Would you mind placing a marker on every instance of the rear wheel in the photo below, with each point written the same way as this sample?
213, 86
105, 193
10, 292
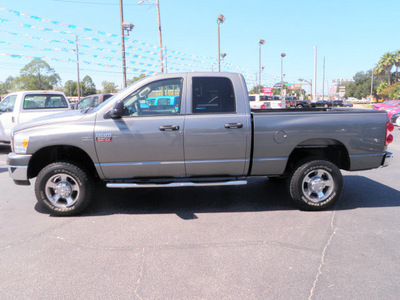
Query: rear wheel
315, 184
64, 188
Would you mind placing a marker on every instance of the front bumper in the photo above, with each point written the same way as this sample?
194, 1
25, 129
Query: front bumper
18, 167
387, 159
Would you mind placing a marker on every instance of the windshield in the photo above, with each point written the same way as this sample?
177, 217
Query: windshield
8, 103
110, 99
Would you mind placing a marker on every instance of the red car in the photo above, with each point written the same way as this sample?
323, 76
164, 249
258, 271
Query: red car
386, 104
393, 110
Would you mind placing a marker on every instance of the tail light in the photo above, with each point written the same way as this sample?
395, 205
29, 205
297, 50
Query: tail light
389, 137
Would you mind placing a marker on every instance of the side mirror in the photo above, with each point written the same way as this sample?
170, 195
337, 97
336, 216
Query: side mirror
118, 110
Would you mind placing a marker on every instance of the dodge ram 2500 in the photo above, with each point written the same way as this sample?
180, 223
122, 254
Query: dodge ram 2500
209, 136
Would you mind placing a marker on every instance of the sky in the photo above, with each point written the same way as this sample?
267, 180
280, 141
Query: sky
351, 35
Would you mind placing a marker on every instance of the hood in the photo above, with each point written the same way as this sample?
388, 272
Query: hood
64, 117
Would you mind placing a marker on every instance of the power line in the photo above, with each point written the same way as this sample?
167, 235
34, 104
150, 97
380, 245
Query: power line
97, 3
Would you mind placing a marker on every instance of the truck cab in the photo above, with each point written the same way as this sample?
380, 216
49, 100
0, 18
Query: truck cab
20, 107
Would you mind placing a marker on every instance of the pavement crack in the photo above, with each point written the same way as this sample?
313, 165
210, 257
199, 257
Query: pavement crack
140, 276
322, 262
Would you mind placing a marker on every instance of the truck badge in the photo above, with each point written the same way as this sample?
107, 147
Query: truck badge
103, 137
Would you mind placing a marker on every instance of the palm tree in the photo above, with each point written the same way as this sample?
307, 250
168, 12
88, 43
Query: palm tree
397, 63
387, 62
379, 71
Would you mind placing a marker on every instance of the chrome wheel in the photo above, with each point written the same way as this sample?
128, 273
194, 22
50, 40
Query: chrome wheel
318, 185
62, 190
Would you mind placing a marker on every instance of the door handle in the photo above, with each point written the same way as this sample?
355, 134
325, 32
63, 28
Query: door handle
169, 127
233, 125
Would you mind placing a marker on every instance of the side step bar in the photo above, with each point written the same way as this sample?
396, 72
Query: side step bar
174, 184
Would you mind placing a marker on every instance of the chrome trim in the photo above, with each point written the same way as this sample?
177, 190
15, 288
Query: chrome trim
387, 159
175, 184
18, 172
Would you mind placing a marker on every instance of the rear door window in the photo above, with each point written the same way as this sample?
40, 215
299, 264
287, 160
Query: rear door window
213, 95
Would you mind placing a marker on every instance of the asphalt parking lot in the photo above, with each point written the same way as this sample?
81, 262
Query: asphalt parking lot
245, 242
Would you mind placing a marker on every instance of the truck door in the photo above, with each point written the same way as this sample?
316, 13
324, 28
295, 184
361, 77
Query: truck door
217, 128
7, 117
147, 142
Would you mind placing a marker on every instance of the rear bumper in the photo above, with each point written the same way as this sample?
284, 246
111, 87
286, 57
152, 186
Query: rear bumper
18, 167
387, 159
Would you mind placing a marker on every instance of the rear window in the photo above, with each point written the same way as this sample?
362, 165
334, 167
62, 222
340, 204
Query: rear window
45, 101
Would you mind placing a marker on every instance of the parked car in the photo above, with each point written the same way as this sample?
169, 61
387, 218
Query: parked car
347, 104
322, 103
213, 138
261, 101
392, 110
92, 101
394, 118
20, 107
386, 104
292, 101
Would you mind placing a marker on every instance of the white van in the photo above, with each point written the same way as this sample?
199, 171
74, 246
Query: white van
261, 101
20, 107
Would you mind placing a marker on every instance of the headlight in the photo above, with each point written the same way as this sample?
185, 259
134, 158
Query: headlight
20, 143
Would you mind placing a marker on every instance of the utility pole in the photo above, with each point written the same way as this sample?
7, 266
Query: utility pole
315, 75
323, 80
123, 42
372, 86
260, 43
160, 36
166, 61
77, 67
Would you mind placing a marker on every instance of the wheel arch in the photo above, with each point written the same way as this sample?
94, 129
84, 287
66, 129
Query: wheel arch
51, 154
329, 149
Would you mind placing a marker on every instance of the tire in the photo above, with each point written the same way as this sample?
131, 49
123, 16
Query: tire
299, 106
315, 184
64, 188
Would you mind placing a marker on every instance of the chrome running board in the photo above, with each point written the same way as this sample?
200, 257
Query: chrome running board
174, 184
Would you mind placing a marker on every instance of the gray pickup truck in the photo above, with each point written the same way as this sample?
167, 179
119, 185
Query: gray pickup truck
197, 130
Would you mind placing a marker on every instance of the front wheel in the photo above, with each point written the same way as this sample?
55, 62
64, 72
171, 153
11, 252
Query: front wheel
63, 188
315, 184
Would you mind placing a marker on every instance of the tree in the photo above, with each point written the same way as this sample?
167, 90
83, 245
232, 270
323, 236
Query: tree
397, 63
88, 87
71, 88
386, 62
134, 79
7, 85
37, 75
361, 87
109, 87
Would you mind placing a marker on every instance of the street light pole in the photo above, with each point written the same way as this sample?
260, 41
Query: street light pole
123, 43
308, 82
315, 74
283, 102
220, 20
77, 67
260, 43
